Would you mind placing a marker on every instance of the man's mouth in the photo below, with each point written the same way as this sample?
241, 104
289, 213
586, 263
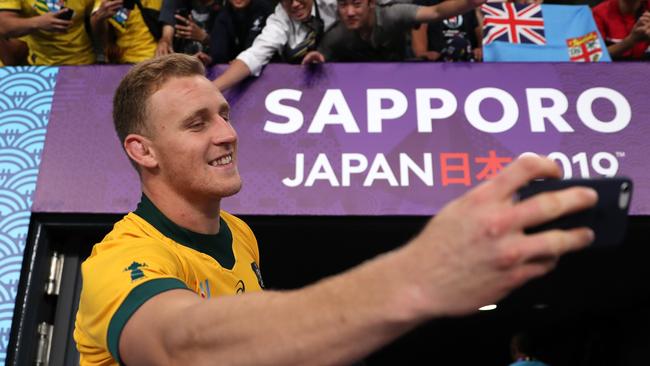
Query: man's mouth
224, 160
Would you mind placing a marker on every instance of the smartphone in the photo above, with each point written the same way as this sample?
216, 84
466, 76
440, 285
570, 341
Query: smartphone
66, 15
184, 12
608, 219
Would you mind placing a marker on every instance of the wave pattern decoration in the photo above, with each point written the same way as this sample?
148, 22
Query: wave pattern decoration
26, 95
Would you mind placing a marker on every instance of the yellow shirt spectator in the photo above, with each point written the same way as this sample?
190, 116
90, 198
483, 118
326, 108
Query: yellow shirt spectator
69, 47
132, 36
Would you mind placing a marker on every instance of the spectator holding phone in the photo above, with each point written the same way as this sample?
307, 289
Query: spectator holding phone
236, 27
625, 26
186, 27
53, 30
121, 29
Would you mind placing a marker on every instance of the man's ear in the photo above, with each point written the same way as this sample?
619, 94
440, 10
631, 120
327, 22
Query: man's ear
139, 150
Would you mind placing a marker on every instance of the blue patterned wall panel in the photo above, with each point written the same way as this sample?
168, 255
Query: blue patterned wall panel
25, 102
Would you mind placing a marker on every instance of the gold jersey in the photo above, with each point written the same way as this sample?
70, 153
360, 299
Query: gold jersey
146, 254
72, 47
132, 36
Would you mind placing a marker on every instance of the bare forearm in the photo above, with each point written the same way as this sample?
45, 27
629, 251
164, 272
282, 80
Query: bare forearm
236, 72
13, 26
442, 11
618, 49
333, 322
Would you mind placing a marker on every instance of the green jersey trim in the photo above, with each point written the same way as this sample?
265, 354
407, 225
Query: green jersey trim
217, 246
138, 296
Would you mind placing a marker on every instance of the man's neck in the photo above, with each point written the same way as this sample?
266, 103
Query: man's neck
629, 6
200, 216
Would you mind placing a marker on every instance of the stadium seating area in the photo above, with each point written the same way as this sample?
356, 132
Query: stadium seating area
47, 32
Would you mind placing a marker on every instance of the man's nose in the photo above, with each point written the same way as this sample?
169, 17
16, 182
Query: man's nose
223, 132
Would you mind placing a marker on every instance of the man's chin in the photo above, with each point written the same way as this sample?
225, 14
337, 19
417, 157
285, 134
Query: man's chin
232, 190
352, 26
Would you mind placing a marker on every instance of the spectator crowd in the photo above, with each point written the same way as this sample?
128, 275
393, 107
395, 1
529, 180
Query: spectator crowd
248, 34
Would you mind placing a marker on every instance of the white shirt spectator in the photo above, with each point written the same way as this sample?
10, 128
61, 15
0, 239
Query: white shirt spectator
281, 30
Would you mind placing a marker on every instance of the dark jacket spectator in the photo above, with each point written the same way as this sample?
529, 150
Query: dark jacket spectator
236, 27
187, 26
430, 41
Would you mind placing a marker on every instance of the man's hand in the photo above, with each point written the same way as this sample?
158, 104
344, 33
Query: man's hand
204, 58
164, 47
313, 57
641, 30
187, 28
51, 23
107, 9
478, 54
475, 251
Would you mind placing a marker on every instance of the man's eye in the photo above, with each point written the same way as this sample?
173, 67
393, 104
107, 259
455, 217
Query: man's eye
226, 117
195, 125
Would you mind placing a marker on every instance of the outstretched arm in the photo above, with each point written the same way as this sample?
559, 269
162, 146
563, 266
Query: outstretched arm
12, 25
472, 253
446, 9
236, 72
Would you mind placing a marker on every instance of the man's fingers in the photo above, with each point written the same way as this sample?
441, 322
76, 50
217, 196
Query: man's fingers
547, 206
551, 244
519, 173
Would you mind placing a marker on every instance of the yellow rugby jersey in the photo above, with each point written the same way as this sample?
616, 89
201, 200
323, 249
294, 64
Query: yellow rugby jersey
146, 254
132, 34
53, 48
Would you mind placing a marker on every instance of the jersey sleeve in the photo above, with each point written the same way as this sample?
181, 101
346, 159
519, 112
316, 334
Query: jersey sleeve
117, 280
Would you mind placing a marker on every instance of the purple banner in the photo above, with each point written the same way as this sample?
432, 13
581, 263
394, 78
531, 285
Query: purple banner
370, 139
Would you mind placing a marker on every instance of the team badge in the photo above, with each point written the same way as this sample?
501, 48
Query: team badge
585, 49
136, 272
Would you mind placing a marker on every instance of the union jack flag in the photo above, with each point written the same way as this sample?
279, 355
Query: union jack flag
513, 23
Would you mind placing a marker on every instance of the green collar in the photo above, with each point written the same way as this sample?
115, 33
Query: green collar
217, 246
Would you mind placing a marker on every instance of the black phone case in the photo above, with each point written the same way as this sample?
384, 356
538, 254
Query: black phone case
608, 219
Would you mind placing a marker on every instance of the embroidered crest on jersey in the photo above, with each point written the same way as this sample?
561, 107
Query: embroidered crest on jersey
136, 272
258, 274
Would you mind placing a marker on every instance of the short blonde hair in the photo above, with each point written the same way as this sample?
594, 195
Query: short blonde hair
132, 95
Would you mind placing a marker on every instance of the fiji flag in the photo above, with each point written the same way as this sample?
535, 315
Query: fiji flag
514, 32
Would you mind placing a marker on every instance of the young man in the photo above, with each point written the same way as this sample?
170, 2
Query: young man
373, 32
625, 26
154, 289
